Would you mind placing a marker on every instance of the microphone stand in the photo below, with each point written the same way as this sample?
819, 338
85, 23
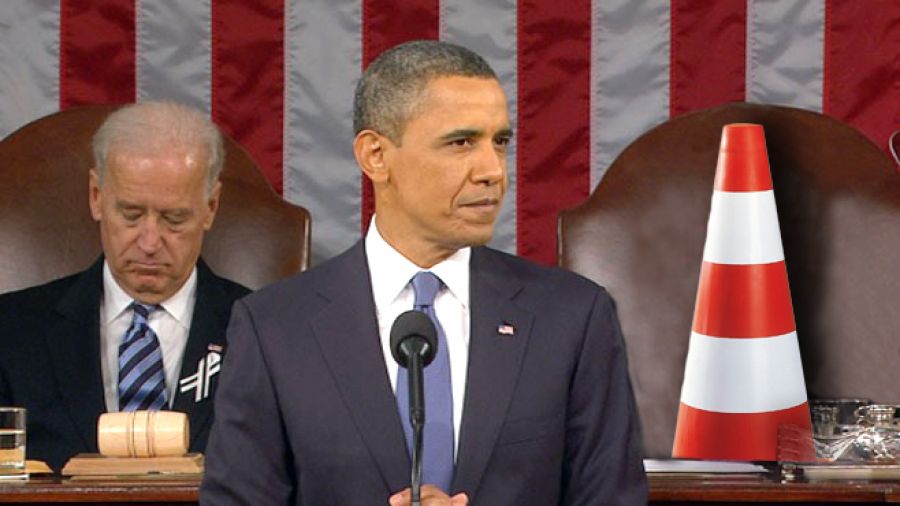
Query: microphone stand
417, 421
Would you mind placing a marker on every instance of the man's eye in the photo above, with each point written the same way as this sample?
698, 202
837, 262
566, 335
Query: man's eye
461, 142
501, 144
131, 216
175, 220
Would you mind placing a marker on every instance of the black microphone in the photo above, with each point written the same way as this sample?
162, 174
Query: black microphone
413, 346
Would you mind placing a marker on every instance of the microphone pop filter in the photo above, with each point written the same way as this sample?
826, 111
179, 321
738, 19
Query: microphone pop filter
411, 325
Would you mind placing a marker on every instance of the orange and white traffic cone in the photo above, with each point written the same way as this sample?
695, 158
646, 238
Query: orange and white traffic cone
743, 377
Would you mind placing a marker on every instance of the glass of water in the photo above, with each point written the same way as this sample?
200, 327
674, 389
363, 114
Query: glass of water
12, 443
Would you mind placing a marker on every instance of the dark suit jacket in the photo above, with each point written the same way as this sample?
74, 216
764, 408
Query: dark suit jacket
306, 413
50, 360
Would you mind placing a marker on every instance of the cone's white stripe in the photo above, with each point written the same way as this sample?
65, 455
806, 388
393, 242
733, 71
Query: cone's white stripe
320, 171
29, 61
747, 375
629, 75
743, 229
489, 28
785, 44
174, 47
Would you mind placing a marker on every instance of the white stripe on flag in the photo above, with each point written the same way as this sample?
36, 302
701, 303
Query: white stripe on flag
323, 60
173, 59
629, 75
29, 62
489, 28
752, 375
743, 229
785, 43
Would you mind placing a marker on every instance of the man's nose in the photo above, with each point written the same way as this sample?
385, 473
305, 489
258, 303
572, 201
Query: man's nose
149, 239
490, 165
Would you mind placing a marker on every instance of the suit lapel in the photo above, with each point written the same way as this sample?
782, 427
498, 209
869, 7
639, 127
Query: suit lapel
495, 359
73, 343
346, 330
208, 325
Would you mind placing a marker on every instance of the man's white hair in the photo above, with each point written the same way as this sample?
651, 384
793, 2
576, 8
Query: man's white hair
156, 127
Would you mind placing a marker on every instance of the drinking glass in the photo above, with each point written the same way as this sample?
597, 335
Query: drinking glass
12, 442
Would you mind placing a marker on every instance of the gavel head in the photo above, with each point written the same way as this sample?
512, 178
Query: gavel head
143, 434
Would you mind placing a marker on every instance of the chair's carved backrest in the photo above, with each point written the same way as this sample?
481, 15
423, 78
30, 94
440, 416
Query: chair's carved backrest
46, 230
641, 234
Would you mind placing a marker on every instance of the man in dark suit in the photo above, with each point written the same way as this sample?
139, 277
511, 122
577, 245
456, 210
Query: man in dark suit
144, 327
535, 407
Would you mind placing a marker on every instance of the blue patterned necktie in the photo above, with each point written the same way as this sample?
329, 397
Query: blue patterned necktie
142, 381
437, 452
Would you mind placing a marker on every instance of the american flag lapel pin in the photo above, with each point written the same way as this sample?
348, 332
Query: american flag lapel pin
506, 329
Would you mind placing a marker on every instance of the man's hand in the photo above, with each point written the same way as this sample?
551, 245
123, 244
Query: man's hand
431, 496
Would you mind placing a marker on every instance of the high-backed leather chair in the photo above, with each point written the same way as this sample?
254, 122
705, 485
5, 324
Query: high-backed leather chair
46, 230
641, 234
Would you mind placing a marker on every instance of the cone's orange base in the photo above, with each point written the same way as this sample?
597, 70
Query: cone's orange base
734, 436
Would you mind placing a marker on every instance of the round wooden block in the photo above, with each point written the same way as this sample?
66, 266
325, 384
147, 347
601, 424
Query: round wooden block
143, 434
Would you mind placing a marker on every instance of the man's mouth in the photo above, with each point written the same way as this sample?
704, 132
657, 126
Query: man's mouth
146, 267
482, 203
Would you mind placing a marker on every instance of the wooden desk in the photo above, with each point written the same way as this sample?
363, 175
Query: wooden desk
664, 491
726, 490
45, 490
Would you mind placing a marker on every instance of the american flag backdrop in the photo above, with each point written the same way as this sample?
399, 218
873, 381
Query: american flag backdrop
584, 78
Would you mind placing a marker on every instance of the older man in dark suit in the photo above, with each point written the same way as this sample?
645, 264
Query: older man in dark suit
528, 401
144, 327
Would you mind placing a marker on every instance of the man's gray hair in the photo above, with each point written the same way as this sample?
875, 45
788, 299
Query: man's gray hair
155, 127
389, 90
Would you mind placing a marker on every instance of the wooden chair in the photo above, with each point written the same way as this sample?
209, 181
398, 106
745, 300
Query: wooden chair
46, 230
641, 234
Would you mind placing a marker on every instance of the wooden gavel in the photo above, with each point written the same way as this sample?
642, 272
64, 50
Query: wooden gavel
143, 434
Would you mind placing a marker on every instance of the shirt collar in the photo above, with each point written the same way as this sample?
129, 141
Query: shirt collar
116, 301
390, 271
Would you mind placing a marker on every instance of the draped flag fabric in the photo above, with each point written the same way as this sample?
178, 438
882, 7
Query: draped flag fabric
583, 78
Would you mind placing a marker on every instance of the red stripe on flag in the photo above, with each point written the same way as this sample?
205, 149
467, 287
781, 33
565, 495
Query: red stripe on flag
96, 52
384, 26
734, 436
708, 54
862, 66
743, 301
553, 140
248, 79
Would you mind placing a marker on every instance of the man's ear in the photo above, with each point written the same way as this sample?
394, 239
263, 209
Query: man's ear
212, 205
94, 195
369, 147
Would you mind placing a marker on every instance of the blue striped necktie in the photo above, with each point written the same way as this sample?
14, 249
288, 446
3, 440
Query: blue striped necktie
437, 451
142, 381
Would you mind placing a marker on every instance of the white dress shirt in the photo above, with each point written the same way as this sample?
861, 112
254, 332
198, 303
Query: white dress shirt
391, 273
171, 322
